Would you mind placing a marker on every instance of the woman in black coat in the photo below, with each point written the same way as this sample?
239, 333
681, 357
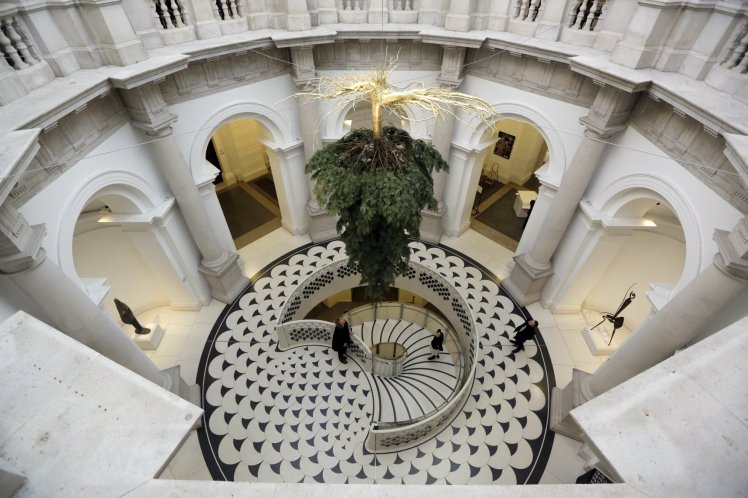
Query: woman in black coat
341, 338
437, 344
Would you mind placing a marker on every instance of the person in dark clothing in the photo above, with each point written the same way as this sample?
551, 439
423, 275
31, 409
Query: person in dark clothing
529, 212
341, 338
524, 332
437, 344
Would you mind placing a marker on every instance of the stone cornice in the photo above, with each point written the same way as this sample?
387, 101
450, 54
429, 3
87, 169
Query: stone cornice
515, 47
318, 36
17, 149
151, 70
390, 32
445, 37
736, 151
604, 72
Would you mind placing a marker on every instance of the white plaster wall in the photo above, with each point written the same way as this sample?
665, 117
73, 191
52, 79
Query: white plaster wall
645, 258
636, 169
122, 156
108, 252
733, 312
13, 300
557, 122
698, 208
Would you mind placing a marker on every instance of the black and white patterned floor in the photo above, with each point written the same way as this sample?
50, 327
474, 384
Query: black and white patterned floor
301, 416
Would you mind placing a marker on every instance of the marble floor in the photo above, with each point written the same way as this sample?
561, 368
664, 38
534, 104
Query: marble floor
187, 333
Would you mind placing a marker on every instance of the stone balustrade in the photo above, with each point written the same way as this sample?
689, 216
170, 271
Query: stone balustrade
735, 58
170, 14
227, 10
17, 51
585, 15
527, 10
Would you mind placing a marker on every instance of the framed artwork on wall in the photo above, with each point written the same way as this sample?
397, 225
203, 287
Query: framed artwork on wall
504, 145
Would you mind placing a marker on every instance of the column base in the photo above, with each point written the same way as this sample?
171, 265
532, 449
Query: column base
227, 281
322, 225
563, 401
525, 283
188, 392
431, 226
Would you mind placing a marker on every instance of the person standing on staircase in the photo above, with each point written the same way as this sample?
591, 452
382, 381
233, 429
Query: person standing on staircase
437, 344
341, 338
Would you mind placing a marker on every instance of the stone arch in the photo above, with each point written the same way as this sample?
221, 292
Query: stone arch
618, 201
514, 110
134, 192
279, 129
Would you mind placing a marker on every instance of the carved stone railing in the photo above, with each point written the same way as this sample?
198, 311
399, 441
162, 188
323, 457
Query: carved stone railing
527, 10
227, 10
403, 11
585, 15
353, 11
170, 14
17, 51
418, 280
735, 58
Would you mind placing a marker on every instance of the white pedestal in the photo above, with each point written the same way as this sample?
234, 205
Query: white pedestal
522, 202
151, 340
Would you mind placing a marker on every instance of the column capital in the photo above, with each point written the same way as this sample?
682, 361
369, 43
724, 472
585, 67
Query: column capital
20, 242
732, 258
148, 110
609, 113
451, 71
304, 70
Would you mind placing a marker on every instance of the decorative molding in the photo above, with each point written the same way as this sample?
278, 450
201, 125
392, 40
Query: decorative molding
207, 76
63, 145
554, 79
361, 55
685, 141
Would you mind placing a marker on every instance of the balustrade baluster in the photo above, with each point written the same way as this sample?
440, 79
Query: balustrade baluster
391, 4
517, 7
534, 8
162, 13
222, 10
9, 50
178, 13
574, 12
733, 45
21, 51
738, 53
582, 15
592, 16
15, 30
523, 9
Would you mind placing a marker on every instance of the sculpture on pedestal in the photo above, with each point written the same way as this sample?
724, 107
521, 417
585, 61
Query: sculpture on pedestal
614, 318
128, 317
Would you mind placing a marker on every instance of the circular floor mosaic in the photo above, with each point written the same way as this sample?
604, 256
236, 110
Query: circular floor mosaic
301, 416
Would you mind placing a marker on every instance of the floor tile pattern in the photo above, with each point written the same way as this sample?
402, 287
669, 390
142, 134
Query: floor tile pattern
301, 416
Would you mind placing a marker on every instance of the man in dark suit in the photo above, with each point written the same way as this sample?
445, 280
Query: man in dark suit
524, 332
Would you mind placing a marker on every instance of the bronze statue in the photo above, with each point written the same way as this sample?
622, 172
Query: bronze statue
128, 317
613, 318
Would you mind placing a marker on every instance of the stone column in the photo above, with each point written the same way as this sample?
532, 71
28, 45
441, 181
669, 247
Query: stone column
607, 116
219, 264
458, 18
205, 19
25, 263
321, 223
672, 328
298, 16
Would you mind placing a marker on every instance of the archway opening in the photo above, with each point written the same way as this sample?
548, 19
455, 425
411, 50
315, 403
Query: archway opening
360, 117
508, 187
246, 185
114, 263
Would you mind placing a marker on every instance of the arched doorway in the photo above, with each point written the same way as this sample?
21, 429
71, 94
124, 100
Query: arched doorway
245, 186
508, 187
121, 251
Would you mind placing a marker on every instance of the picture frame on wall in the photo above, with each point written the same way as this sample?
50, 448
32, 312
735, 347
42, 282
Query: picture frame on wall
504, 145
